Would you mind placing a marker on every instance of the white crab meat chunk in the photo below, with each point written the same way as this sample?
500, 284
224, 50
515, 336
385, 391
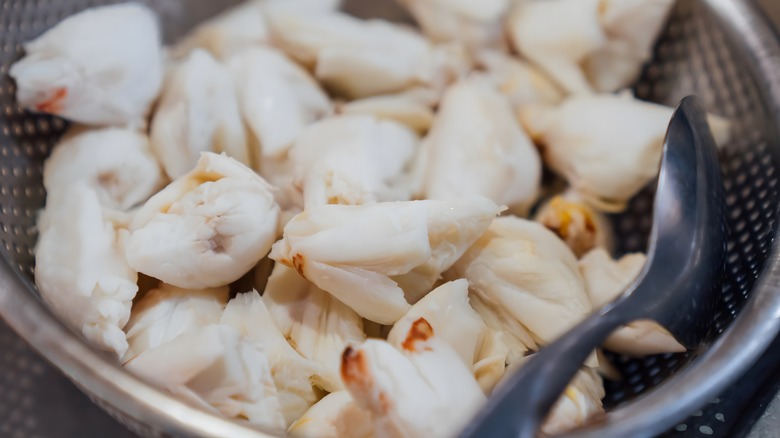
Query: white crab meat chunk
422, 389
352, 160
475, 24
588, 45
509, 337
519, 270
477, 147
231, 31
213, 367
335, 416
117, 163
519, 80
407, 108
360, 254
448, 311
241, 26
166, 312
359, 58
558, 36
576, 223
607, 147
606, 279
294, 376
318, 325
197, 112
580, 402
111, 79
631, 26
277, 99
207, 228
80, 268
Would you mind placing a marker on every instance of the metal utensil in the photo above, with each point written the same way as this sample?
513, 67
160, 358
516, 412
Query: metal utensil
685, 263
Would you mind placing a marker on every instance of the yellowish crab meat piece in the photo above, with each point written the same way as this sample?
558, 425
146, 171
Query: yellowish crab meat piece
576, 223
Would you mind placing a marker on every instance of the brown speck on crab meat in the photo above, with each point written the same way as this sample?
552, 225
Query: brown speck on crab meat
354, 369
420, 331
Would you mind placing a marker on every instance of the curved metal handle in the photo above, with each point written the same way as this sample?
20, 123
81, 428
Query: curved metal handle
518, 407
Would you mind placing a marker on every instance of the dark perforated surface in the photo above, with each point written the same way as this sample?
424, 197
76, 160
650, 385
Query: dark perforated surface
692, 57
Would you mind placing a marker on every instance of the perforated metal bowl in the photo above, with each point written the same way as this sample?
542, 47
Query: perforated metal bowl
722, 50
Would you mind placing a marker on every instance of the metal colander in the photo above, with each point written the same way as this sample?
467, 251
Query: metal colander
721, 50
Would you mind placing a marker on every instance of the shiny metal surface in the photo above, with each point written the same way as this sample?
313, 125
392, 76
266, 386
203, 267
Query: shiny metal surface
677, 287
721, 50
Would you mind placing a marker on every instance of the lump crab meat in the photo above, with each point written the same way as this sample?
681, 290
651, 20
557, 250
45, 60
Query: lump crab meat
116, 163
477, 147
197, 112
360, 254
73, 71
207, 228
80, 268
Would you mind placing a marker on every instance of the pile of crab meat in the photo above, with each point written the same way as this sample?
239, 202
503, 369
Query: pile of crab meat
337, 227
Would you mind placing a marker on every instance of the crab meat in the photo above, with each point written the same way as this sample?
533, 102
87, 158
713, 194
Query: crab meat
580, 402
197, 112
207, 228
360, 254
318, 325
475, 24
231, 31
102, 66
491, 359
607, 147
576, 223
476, 147
521, 270
293, 375
558, 35
518, 80
632, 27
116, 163
80, 268
352, 160
405, 108
423, 389
335, 416
448, 311
606, 279
277, 99
359, 58
166, 312
515, 338
213, 367
588, 45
